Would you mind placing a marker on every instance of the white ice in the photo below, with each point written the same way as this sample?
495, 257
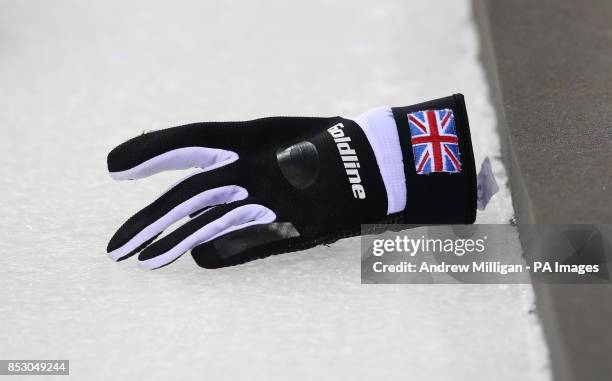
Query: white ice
79, 77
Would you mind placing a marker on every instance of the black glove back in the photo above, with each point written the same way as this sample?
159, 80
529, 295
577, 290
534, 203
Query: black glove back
275, 185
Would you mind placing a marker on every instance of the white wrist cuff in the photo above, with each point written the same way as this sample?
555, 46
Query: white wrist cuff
381, 131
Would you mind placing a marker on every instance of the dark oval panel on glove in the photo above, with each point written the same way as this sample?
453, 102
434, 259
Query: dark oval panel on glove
300, 164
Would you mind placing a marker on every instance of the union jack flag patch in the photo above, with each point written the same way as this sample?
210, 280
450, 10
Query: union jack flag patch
434, 141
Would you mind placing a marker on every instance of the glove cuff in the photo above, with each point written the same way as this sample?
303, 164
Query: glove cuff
438, 162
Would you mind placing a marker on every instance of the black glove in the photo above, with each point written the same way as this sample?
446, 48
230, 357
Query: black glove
276, 185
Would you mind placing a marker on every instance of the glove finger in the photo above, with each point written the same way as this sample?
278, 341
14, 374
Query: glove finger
248, 244
191, 194
202, 145
205, 145
213, 223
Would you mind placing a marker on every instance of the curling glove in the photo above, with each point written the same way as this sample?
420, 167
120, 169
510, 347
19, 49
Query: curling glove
282, 184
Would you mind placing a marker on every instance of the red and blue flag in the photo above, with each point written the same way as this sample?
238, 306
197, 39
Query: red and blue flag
434, 141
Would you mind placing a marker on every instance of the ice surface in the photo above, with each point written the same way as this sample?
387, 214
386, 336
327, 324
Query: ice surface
78, 77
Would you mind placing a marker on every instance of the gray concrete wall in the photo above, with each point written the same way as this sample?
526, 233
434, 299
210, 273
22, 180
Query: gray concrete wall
550, 66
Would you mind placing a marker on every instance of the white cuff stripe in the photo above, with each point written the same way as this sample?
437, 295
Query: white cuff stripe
379, 126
